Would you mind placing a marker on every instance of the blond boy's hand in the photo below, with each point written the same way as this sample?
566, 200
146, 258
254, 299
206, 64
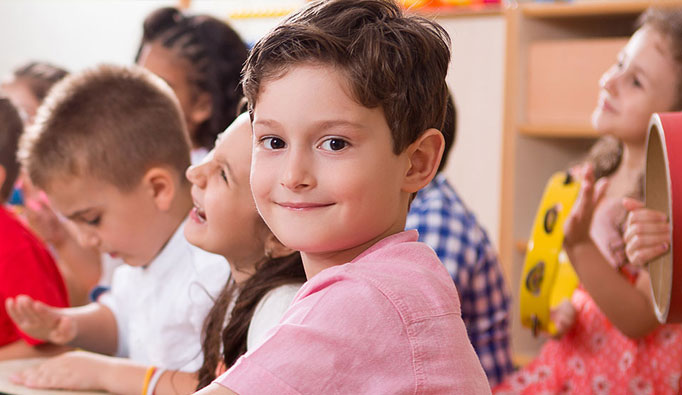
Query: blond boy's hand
75, 370
40, 321
647, 233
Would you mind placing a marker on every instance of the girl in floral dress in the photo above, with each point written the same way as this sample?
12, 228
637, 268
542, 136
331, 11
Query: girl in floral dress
610, 341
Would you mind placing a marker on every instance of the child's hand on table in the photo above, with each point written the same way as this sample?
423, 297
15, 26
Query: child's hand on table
75, 370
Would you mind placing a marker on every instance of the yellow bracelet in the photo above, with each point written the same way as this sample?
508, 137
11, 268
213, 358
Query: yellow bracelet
147, 378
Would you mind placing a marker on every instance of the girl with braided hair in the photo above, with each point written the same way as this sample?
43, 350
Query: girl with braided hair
201, 58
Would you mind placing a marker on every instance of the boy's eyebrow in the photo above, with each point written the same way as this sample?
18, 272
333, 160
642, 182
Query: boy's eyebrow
78, 213
321, 124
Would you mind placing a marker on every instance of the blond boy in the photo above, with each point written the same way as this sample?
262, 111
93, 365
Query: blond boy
346, 98
109, 147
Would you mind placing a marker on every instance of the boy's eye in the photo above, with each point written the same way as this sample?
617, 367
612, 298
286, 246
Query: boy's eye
334, 144
273, 143
93, 222
223, 175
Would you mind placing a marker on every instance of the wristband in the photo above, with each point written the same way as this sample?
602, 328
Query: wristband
155, 380
147, 379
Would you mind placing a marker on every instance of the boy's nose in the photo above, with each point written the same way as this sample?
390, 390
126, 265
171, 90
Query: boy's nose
87, 238
297, 172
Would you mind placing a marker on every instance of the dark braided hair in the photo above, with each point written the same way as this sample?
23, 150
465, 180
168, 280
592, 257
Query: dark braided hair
270, 274
216, 54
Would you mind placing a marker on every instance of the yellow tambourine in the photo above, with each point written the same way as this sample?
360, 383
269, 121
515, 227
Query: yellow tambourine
548, 277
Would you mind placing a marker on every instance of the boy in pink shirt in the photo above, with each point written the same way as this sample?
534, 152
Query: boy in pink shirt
347, 98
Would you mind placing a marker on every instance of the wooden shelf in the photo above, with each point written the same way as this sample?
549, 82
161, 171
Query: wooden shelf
557, 131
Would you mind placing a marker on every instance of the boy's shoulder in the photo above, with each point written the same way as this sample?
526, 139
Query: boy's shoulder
399, 270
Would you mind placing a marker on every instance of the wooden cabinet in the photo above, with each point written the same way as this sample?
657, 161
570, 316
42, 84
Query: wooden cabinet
555, 55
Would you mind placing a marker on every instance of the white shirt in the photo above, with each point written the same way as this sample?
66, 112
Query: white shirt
269, 312
160, 309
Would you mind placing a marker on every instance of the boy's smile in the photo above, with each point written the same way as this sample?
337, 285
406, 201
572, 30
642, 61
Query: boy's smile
324, 175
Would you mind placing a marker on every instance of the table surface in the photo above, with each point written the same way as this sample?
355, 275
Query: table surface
7, 368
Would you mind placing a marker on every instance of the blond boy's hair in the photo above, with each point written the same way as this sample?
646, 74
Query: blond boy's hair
391, 60
110, 123
11, 129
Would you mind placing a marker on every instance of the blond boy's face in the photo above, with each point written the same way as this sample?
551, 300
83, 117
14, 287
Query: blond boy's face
323, 173
123, 225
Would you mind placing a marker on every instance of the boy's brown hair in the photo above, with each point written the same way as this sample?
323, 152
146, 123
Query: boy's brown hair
391, 60
11, 129
111, 123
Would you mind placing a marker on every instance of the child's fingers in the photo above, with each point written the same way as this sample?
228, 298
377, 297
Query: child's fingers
642, 256
11, 309
658, 229
599, 190
631, 204
24, 309
647, 240
645, 215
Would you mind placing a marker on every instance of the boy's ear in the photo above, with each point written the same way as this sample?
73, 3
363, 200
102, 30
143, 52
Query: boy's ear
161, 184
202, 109
424, 156
274, 248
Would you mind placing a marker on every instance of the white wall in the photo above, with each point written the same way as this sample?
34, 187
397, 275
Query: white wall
80, 33
476, 78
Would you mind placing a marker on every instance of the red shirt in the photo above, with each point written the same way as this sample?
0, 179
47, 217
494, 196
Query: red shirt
26, 267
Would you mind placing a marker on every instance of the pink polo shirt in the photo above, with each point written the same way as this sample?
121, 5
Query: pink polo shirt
387, 323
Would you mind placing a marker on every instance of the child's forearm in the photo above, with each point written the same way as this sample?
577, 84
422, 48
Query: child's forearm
626, 306
126, 377
20, 349
96, 328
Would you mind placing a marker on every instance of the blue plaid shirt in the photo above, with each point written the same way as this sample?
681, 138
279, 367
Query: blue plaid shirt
462, 245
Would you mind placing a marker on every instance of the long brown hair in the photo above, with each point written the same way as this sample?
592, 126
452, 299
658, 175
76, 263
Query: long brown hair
270, 274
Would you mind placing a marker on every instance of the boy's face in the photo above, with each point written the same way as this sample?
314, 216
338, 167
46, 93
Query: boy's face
324, 175
123, 225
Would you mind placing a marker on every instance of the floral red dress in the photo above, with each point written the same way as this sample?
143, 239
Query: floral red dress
595, 358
